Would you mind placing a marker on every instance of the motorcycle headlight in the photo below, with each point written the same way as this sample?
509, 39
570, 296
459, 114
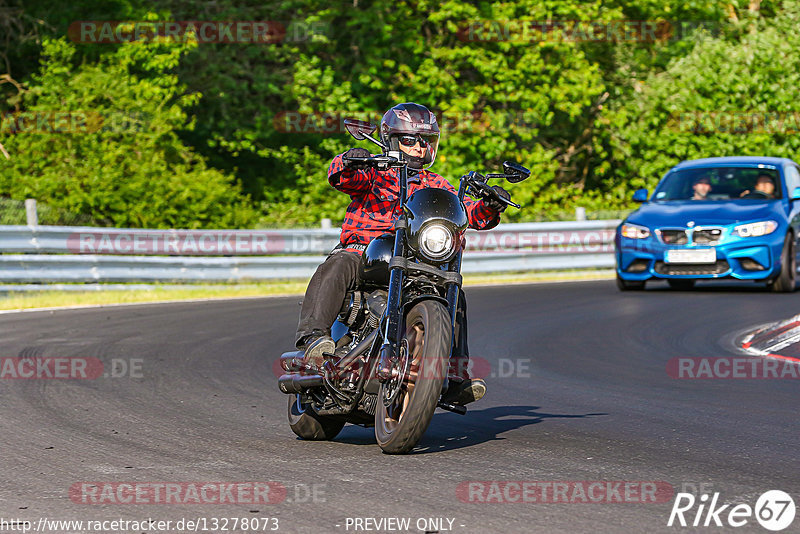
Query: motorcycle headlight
755, 229
436, 241
634, 231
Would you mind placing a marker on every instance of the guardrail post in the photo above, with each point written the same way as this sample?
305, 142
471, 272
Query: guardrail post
580, 214
30, 212
326, 224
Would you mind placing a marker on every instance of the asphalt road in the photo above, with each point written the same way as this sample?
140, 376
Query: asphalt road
590, 399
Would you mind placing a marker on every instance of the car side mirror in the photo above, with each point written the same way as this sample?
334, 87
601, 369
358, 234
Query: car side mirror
359, 129
640, 195
796, 193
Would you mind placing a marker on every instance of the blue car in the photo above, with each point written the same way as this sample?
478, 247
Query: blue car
714, 218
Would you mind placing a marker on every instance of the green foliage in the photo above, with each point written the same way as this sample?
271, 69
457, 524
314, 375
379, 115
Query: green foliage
593, 119
734, 95
137, 174
530, 102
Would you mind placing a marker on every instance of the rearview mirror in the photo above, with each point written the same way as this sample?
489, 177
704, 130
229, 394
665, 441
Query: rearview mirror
359, 129
515, 172
640, 195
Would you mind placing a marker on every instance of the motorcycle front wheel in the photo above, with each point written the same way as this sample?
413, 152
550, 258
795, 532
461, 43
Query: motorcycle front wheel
407, 401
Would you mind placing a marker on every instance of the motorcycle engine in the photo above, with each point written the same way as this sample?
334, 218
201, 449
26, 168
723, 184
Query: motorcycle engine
360, 308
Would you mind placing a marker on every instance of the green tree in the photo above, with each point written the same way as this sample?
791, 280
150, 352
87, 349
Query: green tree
133, 170
592, 118
732, 94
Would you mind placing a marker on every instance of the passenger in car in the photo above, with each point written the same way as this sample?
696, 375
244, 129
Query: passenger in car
765, 188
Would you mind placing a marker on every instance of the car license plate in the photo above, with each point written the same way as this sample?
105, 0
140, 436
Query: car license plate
705, 255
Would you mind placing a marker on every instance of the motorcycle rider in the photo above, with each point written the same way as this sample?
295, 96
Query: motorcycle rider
412, 129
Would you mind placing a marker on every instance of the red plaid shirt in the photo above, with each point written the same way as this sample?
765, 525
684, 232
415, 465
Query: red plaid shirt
376, 200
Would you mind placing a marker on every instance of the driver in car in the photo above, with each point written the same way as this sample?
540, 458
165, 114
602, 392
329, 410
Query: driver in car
412, 129
701, 188
765, 187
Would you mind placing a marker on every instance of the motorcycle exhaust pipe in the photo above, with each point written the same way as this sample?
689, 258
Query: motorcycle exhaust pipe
357, 351
296, 383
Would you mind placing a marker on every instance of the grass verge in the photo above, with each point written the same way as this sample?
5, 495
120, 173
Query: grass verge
20, 300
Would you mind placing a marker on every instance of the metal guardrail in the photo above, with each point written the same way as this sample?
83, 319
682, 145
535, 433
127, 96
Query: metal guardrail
51, 254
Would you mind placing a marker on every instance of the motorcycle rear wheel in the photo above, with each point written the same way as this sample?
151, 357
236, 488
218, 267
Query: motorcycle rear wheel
426, 342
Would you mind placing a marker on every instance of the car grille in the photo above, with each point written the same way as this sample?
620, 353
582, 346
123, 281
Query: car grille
719, 267
700, 236
706, 236
674, 237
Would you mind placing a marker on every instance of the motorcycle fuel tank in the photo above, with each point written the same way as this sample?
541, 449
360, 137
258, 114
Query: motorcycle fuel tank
375, 261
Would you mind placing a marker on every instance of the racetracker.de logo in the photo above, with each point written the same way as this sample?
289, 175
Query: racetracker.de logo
177, 493
201, 31
179, 242
564, 491
577, 31
473, 367
332, 122
543, 242
733, 367
50, 367
106, 31
741, 122
73, 122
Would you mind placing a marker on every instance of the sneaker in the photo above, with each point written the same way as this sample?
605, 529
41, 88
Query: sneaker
315, 348
463, 393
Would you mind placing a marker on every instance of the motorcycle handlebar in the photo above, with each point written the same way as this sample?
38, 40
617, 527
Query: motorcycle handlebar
478, 185
380, 161
483, 190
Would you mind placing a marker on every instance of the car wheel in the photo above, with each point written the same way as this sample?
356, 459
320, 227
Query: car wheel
630, 285
681, 284
786, 280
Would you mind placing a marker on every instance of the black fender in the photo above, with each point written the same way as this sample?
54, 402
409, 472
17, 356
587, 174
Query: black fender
428, 296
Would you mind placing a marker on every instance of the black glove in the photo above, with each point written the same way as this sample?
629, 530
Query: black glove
496, 205
357, 152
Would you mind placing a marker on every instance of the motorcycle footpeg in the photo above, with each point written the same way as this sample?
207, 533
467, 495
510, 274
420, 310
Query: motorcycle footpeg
297, 365
291, 362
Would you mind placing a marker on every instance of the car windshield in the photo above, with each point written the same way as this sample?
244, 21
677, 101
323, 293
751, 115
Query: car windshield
720, 183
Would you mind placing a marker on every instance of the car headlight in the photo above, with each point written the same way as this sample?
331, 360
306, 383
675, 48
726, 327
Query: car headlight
634, 231
755, 229
436, 241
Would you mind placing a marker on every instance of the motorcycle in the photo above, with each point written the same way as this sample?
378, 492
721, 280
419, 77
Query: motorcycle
395, 334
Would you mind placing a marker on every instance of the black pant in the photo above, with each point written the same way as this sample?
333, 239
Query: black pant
325, 294
328, 288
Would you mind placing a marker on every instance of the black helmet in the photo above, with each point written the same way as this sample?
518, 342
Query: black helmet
405, 121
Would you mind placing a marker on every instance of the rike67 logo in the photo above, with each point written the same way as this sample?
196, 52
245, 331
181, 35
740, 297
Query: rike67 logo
774, 510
